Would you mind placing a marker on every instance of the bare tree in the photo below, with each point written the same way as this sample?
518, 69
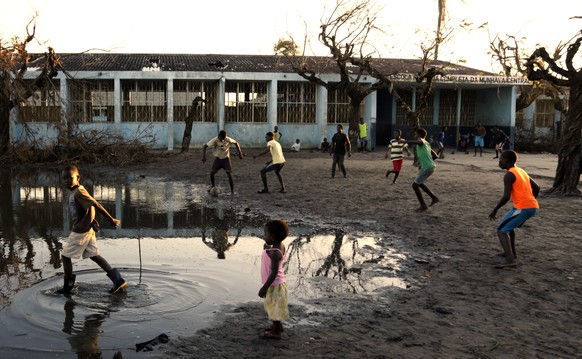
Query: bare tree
14, 89
346, 33
442, 9
196, 104
508, 53
541, 66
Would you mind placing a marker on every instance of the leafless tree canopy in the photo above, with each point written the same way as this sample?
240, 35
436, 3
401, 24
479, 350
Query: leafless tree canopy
543, 66
346, 32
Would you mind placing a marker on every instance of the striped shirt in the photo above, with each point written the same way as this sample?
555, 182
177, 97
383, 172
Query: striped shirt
396, 149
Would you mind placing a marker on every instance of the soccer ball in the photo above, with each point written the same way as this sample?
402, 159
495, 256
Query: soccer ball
214, 191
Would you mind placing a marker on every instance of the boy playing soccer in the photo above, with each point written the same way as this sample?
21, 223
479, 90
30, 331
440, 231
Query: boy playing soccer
396, 148
523, 191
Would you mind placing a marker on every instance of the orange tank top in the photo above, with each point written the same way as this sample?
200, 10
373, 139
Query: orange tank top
521, 192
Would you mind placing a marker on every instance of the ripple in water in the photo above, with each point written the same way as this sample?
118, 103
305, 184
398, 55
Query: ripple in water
42, 323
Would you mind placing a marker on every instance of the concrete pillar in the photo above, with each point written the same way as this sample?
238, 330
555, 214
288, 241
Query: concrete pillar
220, 102
370, 110
436, 108
272, 103
321, 111
458, 115
118, 102
170, 113
65, 100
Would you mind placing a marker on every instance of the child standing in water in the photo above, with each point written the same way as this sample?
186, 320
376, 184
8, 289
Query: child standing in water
82, 242
274, 288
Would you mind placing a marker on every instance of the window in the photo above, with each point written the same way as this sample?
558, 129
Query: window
338, 106
296, 102
185, 92
406, 95
468, 107
520, 119
43, 106
91, 101
143, 101
426, 116
448, 108
544, 116
245, 101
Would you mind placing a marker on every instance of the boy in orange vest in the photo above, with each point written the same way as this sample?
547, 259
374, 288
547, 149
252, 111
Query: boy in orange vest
523, 191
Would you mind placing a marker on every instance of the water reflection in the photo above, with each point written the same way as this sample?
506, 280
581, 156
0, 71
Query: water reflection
173, 232
84, 334
219, 227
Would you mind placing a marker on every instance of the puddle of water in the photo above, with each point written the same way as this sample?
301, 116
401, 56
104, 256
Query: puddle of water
183, 253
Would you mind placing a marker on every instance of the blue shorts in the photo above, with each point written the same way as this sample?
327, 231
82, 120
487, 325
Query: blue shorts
515, 218
479, 141
423, 175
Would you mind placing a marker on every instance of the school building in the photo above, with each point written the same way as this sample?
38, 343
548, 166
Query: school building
148, 96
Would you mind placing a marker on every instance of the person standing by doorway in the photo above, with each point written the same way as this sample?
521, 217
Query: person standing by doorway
479, 133
340, 145
362, 136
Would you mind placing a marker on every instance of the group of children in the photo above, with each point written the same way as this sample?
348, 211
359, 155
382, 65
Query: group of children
82, 243
518, 187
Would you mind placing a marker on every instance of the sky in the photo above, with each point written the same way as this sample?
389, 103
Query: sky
254, 26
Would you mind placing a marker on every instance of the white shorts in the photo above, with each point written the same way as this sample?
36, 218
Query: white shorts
81, 244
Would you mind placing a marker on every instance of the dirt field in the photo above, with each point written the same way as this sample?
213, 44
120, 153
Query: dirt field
458, 305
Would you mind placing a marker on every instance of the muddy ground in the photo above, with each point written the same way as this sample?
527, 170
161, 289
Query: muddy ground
457, 304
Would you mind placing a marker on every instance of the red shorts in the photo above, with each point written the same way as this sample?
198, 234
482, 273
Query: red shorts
397, 165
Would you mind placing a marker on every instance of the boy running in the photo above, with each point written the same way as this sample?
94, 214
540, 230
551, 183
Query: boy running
396, 148
426, 168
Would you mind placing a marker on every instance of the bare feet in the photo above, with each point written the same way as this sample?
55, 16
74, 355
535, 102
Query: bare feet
506, 265
434, 201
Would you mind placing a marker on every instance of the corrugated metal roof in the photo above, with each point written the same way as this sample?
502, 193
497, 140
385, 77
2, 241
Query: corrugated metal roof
230, 63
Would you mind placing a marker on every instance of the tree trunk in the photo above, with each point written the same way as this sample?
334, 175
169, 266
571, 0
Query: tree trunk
4, 128
187, 134
354, 123
567, 172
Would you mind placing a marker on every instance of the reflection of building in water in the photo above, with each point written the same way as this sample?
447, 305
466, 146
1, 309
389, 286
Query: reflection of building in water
219, 234
83, 336
34, 205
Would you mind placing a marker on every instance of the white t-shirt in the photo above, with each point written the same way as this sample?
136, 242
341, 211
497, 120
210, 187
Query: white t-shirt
276, 152
221, 149
295, 147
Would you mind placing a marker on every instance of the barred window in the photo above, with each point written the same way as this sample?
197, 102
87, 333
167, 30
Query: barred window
448, 108
91, 101
185, 92
143, 101
468, 107
338, 106
43, 106
427, 115
544, 116
245, 101
296, 102
520, 119
406, 95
